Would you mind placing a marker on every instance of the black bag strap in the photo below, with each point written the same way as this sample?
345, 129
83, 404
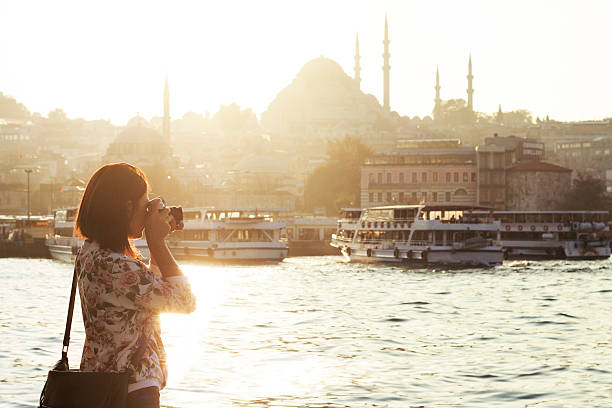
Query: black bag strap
142, 340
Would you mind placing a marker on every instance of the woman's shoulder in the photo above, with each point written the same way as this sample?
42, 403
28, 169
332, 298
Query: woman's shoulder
92, 253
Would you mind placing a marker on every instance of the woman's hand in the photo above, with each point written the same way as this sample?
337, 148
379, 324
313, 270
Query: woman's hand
158, 223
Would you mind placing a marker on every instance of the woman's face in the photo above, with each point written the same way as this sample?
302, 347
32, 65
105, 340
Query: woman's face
139, 212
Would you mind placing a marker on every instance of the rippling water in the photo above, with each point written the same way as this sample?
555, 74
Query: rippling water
318, 332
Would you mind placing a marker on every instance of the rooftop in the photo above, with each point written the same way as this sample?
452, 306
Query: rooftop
539, 166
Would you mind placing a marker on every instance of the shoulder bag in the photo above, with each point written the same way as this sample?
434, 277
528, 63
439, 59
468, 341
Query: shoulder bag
66, 388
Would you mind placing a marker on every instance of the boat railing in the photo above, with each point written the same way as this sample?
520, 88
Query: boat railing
341, 239
394, 221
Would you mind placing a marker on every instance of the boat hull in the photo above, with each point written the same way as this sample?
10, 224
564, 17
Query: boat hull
62, 253
488, 256
554, 250
238, 254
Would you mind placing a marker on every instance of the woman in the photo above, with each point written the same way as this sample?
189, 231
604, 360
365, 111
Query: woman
122, 297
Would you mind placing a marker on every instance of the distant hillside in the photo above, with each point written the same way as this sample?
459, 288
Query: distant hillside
11, 109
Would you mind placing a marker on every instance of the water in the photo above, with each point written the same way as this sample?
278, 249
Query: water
317, 332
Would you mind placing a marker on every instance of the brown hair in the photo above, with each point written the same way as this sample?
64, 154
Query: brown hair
103, 213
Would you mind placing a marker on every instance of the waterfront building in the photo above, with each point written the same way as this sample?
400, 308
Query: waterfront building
421, 171
443, 171
536, 186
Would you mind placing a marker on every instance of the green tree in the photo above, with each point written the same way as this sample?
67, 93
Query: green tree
336, 183
587, 193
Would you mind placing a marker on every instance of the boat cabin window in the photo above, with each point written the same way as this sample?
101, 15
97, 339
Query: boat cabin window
71, 214
378, 215
351, 215
192, 235
404, 214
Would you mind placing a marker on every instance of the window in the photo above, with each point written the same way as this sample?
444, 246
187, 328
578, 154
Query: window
499, 194
473, 177
414, 177
460, 192
448, 196
434, 196
401, 178
401, 197
371, 178
389, 197
456, 177
484, 195
424, 177
379, 197
448, 176
379, 178
465, 177
435, 177
370, 197
388, 178
414, 196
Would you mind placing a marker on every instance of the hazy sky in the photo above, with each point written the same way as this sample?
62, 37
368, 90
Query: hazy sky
108, 59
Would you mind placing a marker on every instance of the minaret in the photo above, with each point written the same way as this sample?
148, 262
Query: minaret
470, 90
166, 123
386, 68
357, 67
437, 101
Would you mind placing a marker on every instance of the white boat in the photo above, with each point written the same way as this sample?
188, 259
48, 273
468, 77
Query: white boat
420, 234
63, 245
226, 235
552, 234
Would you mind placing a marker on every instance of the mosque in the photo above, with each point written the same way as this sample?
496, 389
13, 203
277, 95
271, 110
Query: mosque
143, 146
323, 100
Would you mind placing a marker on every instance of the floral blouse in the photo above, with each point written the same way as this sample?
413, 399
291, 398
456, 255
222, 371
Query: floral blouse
121, 299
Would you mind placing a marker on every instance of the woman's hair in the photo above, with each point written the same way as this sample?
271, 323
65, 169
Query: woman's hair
103, 213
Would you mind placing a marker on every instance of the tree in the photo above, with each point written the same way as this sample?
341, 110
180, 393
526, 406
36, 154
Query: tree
454, 112
336, 183
517, 118
58, 115
11, 109
230, 118
587, 193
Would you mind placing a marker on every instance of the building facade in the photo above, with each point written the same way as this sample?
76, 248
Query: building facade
421, 171
536, 186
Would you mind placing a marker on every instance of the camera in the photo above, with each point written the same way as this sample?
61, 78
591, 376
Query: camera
175, 211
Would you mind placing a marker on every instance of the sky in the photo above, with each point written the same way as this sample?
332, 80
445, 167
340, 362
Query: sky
108, 59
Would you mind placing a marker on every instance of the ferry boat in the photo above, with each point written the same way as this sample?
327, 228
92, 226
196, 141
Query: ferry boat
226, 235
421, 234
24, 237
552, 234
63, 245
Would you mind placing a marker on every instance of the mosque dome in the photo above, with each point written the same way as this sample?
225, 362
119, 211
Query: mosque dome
139, 145
321, 96
321, 69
